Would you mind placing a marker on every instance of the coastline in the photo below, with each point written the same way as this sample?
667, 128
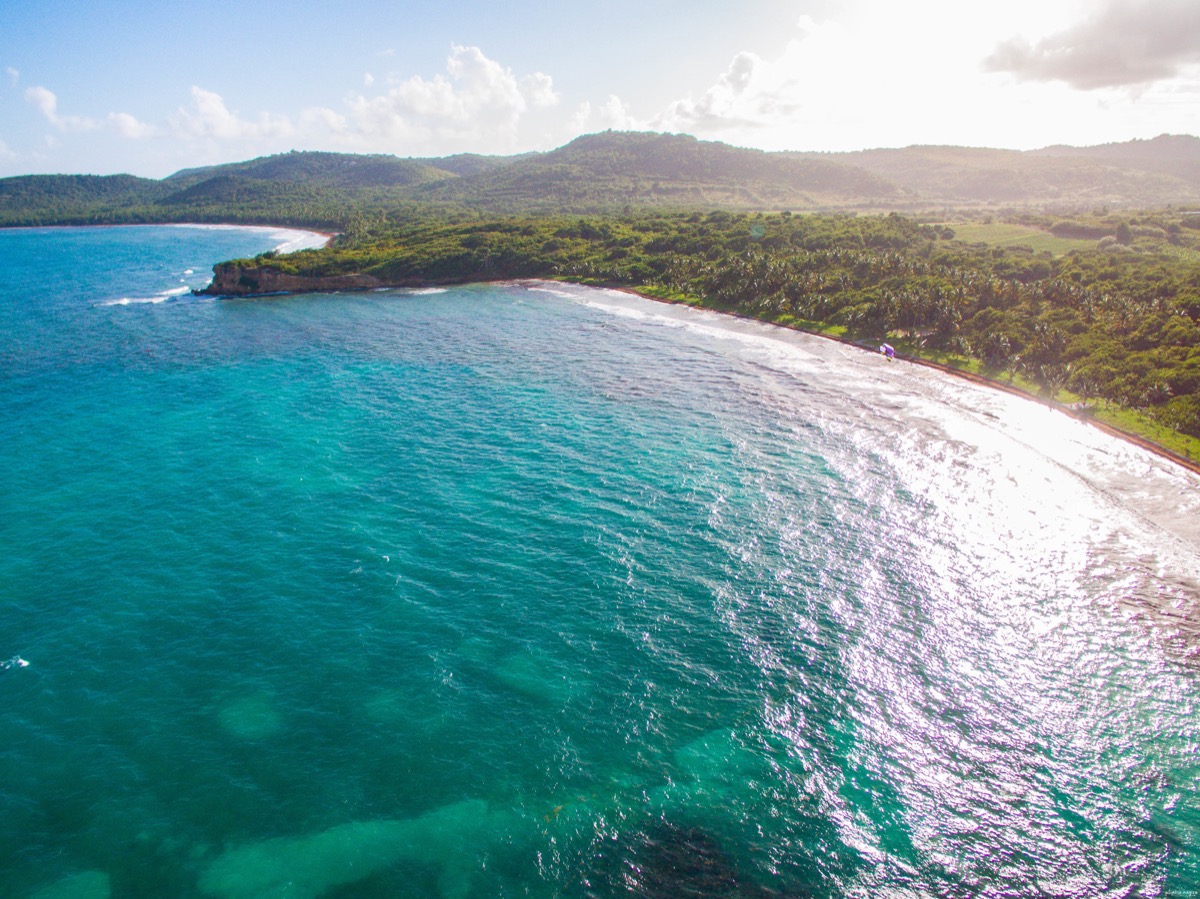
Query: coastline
294, 239
263, 281
1135, 439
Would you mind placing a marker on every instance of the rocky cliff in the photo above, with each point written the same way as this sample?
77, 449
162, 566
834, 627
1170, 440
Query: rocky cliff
231, 279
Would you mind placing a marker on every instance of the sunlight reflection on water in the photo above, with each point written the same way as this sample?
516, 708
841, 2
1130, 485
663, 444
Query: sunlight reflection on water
499, 591
1015, 541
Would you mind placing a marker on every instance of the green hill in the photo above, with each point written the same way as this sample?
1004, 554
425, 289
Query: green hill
341, 170
1177, 155
1140, 174
76, 199
615, 171
467, 164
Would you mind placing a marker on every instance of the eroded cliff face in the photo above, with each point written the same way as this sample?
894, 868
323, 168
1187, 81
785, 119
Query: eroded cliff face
251, 280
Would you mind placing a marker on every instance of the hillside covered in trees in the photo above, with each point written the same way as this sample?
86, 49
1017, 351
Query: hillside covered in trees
613, 172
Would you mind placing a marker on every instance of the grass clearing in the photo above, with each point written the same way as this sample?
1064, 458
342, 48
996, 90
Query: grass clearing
1004, 234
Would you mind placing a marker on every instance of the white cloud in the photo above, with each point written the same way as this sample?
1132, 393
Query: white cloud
128, 126
477, 104
13, 75
1123, 43
121, 123
208, 117
538, 89
47, 103
5, 153
888, 75
319, 119
724, 104
44, 100
613, 114
779, 102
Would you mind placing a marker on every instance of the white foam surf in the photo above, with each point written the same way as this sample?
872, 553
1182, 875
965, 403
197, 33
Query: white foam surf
290, 240
155, 299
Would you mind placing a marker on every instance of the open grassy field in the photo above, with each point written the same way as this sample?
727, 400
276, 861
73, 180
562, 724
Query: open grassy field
1005, 234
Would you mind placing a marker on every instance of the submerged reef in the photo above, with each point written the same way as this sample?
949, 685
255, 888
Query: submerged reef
305, 867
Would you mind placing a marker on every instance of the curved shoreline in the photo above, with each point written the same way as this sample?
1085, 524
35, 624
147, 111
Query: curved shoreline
326, 236
296, 235
1135, 439
257, 282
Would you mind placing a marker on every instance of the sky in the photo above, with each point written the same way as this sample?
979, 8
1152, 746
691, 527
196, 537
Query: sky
149, 87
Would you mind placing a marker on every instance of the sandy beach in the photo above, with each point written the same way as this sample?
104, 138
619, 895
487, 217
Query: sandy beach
1148, 445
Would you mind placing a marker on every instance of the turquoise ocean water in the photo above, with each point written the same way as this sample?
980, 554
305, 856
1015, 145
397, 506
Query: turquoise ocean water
527, 590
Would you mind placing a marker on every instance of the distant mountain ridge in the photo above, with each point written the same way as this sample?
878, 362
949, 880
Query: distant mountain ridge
1152, 173
1178, 147
337, 169
612, 171
1170, 154
637, 168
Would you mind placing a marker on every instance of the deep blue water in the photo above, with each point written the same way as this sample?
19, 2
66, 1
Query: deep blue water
519, 590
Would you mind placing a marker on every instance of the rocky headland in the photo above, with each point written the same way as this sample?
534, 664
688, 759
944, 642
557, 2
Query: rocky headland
231, 279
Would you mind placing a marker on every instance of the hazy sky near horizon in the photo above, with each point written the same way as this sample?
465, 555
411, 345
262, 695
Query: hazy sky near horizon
104, 86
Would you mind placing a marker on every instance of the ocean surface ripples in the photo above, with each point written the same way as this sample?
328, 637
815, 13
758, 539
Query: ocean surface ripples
529, 590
